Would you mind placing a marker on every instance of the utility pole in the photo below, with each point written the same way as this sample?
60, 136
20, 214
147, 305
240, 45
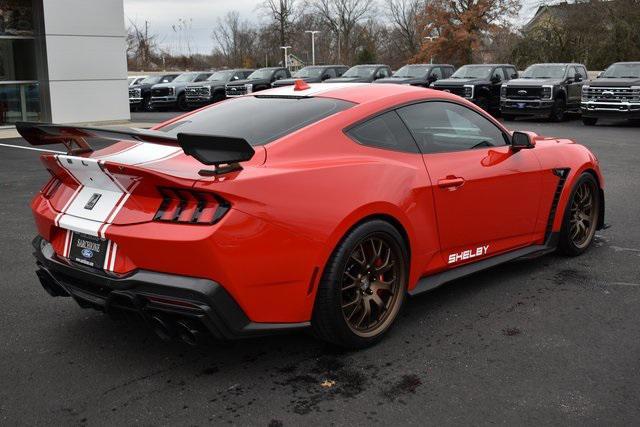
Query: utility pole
286, 57
313, 45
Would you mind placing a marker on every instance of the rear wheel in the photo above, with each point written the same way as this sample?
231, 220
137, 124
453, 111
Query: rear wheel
590, 121
581, 216
363, 286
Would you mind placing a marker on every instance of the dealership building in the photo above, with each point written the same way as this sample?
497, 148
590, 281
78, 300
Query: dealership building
62, 61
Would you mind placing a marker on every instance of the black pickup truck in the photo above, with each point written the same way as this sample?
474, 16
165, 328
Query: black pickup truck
213, 89
140, 94
479, 83
363, 74
544, 90
313, 74
419, 74
615, 94
260, 79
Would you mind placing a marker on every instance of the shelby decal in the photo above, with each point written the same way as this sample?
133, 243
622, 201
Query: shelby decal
468, 254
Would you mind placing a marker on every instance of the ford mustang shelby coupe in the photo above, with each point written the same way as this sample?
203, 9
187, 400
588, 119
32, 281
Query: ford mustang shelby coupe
318, 206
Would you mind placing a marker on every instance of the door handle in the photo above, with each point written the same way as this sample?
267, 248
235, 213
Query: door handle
451, 182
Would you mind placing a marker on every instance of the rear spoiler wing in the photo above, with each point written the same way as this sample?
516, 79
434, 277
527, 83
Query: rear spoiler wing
223, 152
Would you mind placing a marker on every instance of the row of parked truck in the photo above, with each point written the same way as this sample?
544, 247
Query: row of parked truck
541, 91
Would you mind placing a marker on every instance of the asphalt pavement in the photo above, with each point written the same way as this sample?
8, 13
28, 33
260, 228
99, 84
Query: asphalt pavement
550, 341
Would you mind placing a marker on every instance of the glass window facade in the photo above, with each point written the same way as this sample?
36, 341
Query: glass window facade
19, 88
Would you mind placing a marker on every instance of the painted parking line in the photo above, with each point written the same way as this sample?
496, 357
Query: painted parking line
33, 149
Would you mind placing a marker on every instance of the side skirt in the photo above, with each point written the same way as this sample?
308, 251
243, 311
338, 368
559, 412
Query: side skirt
432, 282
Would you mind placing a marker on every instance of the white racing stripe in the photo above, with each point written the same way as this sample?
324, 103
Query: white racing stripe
142, 153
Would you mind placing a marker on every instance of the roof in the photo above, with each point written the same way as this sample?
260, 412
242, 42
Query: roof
561, 11
370, 65
495, 65
359, 93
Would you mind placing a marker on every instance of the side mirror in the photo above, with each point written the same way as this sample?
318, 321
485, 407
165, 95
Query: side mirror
433, 78
521, 141
325, 76
514, 75
577, 78
495, 79
599, 74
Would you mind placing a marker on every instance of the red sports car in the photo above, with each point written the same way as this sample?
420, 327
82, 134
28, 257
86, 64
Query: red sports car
317, 206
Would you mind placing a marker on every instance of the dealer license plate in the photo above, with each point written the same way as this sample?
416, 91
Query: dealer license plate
88, 250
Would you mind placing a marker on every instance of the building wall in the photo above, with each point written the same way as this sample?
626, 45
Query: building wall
85, 54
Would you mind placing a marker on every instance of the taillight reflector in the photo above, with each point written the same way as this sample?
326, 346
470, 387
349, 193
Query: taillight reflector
191, 207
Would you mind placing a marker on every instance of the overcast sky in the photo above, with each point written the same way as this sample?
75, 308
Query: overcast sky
162, 14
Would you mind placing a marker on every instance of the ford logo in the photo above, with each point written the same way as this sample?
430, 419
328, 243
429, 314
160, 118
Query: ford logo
607, 94
522, 92
87, 253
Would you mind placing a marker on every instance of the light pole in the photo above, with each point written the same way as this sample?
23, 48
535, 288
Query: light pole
431, 39
286, 57
313, 45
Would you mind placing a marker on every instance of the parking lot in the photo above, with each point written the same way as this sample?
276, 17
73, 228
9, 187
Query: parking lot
550, 341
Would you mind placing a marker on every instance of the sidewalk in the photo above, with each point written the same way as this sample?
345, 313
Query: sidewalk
12, 133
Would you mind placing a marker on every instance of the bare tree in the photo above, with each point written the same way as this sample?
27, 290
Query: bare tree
140, 45
403, 15
343, 17
235, 39
282, 13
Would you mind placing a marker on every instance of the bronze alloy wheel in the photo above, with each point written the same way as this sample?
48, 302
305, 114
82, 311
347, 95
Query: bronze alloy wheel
371, 285
583, 214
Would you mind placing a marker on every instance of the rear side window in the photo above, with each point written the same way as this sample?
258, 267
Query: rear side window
385, 131
258, 119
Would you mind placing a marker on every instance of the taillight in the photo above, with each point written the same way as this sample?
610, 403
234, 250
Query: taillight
192, 207
51, 187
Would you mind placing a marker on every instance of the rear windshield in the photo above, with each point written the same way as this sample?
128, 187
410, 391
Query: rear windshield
258, 119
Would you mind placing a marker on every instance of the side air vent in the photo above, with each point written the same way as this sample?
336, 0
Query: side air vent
190, 207
562, 174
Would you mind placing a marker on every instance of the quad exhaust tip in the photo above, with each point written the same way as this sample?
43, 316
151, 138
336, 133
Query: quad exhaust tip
162, 328
166, 329
188, 333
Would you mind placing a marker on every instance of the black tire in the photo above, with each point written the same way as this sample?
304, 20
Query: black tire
569, 244
589, 121
508, 117
559, 110
182, 103
218, 96
484, 104
329, 320
146, 104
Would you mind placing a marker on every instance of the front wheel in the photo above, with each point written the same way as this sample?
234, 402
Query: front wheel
182, 102
581, 216
589, 121
363, 286
559, 110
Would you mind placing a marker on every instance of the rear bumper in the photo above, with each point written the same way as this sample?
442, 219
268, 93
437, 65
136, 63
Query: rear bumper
149, 293
526, 107
620, 110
